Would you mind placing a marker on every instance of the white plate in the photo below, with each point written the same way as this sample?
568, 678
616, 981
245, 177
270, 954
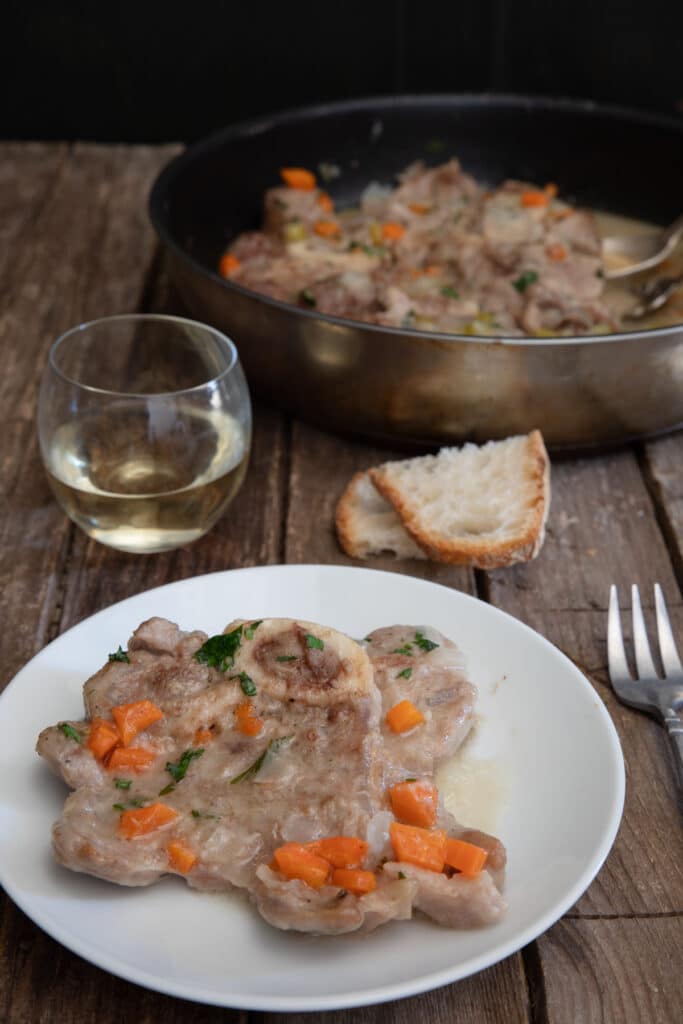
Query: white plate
555, 745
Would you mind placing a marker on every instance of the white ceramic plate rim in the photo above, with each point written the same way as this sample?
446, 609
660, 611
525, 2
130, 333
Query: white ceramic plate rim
379, 993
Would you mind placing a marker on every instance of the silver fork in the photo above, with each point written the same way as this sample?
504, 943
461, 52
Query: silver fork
648, 692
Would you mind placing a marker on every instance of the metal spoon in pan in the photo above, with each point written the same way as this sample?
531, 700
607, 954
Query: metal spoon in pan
653, 295
629, 254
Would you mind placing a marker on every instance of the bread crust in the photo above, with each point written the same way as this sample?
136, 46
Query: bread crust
476, 552
350, 521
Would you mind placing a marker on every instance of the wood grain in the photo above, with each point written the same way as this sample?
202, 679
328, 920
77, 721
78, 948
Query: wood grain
626, 970
496, 995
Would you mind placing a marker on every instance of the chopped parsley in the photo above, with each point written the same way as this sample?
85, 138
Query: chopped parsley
247, 683
408, 319
119, 655
401, 875
449, 292
403, 650
251, 629
70, 732
167, 789
526, 278
411, 779
307, 296
137, 801
313, 642
273, 747
122, 783
203, 814
286, 657
423, 643
405, 674
219, 651
178, 771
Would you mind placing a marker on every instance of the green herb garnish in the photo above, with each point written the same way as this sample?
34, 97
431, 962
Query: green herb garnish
423, 643
247, 684
122, 783
401, 875
256, 767
177, 771
450, 292
313, 642
411, 779
403, 650
526, 278
137, 801
204, 814
307, 296
119, 655
167, 789
408, 319
405, 674
369, 250
219, 651
286, 657
70, 732
251, 629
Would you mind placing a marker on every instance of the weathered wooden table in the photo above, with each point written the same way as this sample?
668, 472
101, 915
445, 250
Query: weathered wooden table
76, 244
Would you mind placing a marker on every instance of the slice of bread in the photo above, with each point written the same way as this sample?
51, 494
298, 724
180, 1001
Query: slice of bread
480, 506
369, 525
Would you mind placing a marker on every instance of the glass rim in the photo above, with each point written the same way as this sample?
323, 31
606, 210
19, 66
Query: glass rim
140, 317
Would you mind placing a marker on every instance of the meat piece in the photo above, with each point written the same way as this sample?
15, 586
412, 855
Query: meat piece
329, 910
350, 294
318, 701
408, 667
455, 902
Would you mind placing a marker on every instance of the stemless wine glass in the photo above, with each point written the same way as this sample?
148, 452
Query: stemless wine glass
145, 429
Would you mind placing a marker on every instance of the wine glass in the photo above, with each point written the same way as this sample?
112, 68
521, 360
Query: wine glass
144, 424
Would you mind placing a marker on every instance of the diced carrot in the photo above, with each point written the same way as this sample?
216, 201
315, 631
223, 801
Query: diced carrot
136, 758
415, 803
247, 723
180, 857
404, 716
228, 265
418, 846
357, 882
298, 177
534, 199
556, 252
202, 737
418, 208
393, 231
102, 738
551, 189
433, 270
325, 202
340, 851
465, 857
295, 861
134, 718
326, 228
140, 821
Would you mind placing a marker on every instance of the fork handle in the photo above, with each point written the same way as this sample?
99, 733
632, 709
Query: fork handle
674, 727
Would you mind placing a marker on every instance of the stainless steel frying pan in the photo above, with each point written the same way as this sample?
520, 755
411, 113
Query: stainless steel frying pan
409, 386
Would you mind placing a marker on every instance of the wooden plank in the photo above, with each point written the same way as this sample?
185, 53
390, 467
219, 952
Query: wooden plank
626, 970
321, 466
495, 995
663, 466
81, 245
602, 529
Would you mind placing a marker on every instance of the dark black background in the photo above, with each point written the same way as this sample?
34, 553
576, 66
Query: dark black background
153, 71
